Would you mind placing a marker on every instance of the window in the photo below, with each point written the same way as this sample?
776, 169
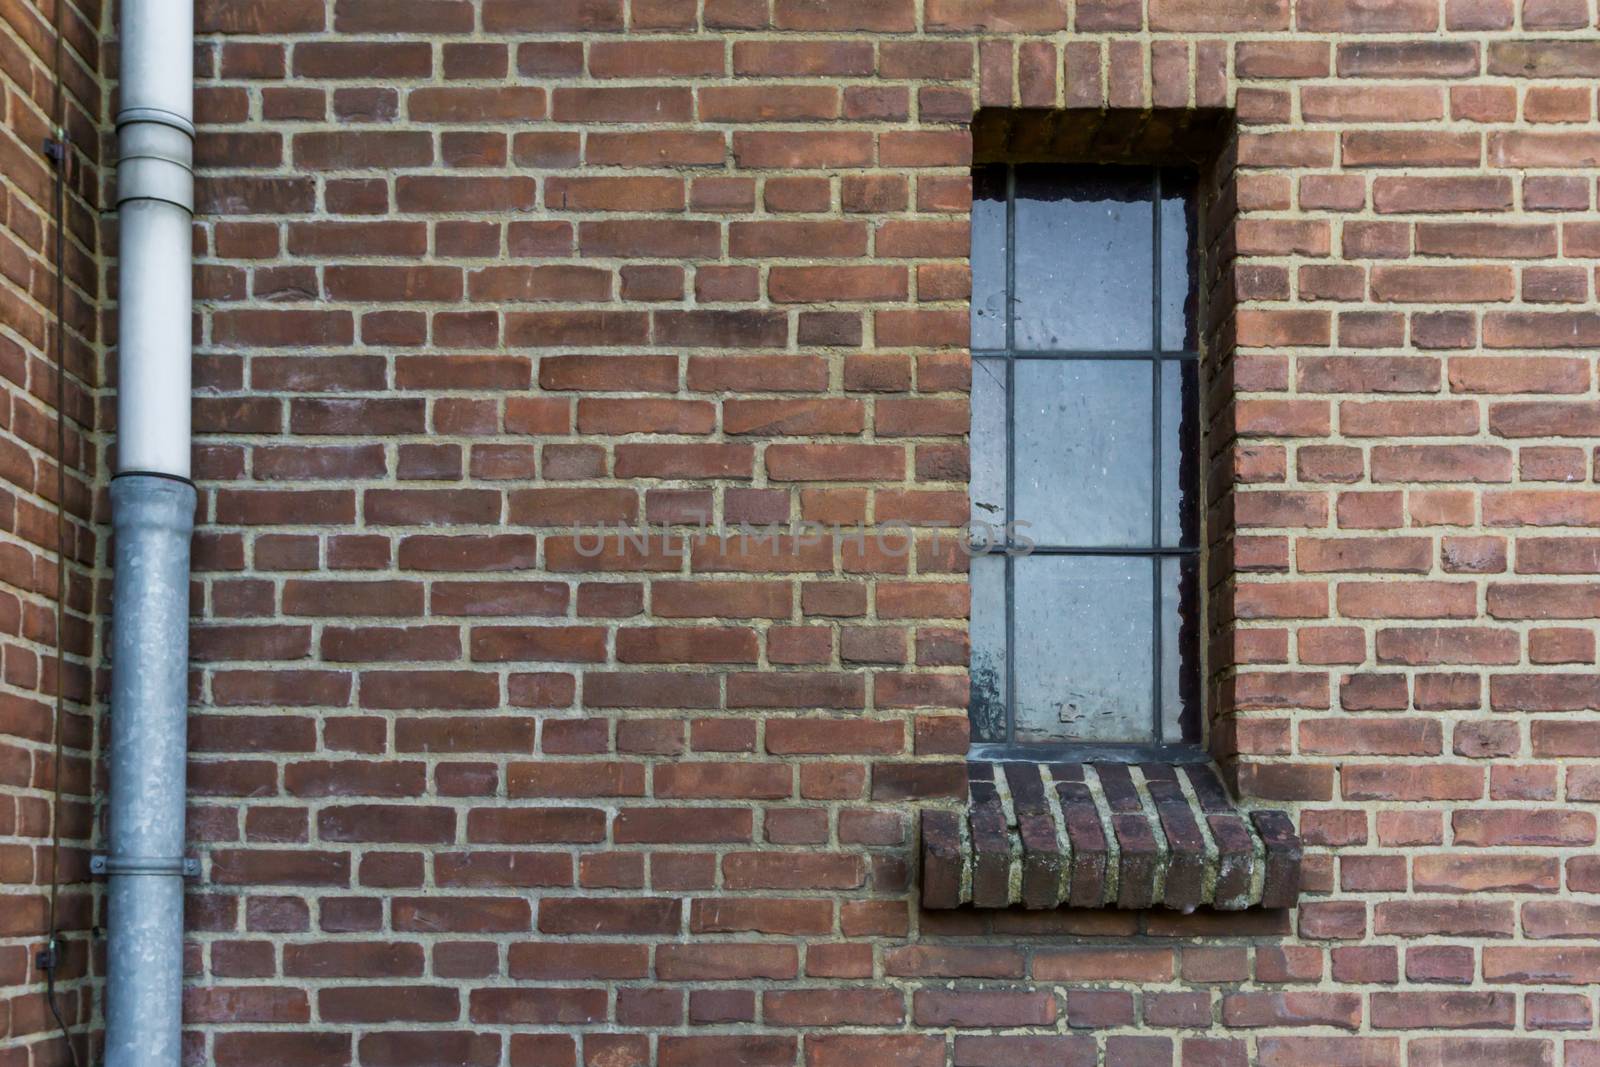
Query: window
1085, 414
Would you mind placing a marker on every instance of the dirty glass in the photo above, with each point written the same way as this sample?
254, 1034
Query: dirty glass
1084, 231
1085, 436
1083, 648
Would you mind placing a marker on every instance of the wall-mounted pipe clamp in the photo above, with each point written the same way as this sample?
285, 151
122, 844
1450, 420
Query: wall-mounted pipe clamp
182, 866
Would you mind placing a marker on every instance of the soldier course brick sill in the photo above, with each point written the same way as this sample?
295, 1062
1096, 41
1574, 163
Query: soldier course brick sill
1106, 836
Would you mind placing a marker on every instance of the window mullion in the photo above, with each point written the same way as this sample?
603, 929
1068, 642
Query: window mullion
1156, 343
1011, 453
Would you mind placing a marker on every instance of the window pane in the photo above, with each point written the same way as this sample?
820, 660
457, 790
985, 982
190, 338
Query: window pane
1180, 668
1084, 451
986, 711
1084, 268
1084, 661
1070, 646
988, 453
989, 257
1180, 460
1178, 236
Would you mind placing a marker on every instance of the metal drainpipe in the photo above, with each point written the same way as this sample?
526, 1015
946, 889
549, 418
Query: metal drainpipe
152, 502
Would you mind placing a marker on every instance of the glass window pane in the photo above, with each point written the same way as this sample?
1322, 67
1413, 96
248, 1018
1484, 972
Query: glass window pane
1095, 641
1180, 641
1084, 661
986, 711
1084, 451
1084, 269
1178, 239
1180, 459
989, 257
987, 488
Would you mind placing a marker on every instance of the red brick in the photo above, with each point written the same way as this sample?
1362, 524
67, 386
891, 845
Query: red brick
891, 1050
1251, 16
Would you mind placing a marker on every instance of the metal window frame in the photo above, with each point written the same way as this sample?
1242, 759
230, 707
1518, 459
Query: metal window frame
1158, 747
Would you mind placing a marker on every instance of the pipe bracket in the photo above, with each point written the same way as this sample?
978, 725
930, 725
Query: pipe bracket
182, 866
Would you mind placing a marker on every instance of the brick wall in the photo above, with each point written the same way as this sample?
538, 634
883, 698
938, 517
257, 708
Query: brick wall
473, 275
28, 499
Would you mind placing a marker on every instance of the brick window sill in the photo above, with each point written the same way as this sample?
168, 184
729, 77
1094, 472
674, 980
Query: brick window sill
1105, 836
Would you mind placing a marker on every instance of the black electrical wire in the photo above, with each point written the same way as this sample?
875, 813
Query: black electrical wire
58, 150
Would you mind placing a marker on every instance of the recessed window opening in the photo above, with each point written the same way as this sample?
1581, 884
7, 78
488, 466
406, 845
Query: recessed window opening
1085, 463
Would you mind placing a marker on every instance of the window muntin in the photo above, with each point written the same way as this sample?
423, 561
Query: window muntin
1085, 415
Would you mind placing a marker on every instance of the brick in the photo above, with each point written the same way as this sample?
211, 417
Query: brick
1251, 16
455, 104
875, 15
1410, 149
1515, 1052
361, 59
1421, 58
1448, 1010
1543, 59
754, 1051
1441, 284
760, 150
741, 104
985, 1009
1391, 16
654, 59
1444, 195
1522, 827
893, 1050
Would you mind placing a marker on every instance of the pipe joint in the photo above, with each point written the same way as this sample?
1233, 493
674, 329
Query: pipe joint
156, 161
161, 116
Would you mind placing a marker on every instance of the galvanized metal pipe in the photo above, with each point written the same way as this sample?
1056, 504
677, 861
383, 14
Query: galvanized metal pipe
152, 515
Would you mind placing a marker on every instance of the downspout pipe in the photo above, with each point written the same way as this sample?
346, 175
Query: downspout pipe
152, 516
